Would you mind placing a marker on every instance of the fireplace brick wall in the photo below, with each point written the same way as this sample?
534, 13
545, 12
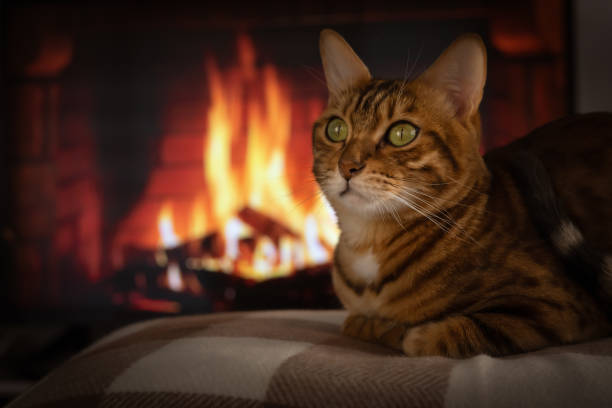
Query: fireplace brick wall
55, 204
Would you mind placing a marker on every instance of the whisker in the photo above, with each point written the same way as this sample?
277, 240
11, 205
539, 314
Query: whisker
449, 219
444, 227
419, 210
452, 202
397, 218
452, 181
471, 188
314, 73
380, 206
448, 222
421, 192
406, 67
416, 59
391, 210
417, 181
431, 204
408, 200
302, 203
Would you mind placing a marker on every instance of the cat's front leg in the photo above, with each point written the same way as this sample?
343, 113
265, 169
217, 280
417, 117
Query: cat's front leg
469, 335
375, 329
451, 337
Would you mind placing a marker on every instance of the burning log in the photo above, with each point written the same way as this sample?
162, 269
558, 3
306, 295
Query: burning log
212, 245
264, 225
307, 288
252, 245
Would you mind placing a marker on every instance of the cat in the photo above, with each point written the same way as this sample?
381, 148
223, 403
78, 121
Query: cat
443, 251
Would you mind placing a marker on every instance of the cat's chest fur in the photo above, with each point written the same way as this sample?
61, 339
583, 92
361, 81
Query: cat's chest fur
356, 269
360, 266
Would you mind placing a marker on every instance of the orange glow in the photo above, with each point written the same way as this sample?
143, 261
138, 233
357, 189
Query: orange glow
250, 153
197, 228
174, 278
165, 225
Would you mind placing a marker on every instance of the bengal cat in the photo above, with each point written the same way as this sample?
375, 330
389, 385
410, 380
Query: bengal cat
442, 251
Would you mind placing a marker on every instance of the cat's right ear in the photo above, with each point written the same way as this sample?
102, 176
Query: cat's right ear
343, 68
460, 72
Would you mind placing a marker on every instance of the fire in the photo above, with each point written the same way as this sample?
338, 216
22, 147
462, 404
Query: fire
269, 218
198, 218
174, 277
217, 152
165, 225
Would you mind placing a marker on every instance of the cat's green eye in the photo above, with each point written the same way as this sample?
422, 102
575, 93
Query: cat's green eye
402, 133
337, 130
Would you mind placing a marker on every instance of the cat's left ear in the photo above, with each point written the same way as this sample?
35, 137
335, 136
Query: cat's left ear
343, 68
461, 72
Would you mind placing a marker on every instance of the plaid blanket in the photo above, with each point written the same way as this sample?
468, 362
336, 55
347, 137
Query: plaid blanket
300, 359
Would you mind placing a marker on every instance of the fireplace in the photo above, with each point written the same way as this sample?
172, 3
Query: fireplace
158, 159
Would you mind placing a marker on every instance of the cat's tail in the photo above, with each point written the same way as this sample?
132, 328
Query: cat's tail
587, 266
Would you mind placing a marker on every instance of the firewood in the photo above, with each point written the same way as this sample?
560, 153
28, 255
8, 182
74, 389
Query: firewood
265, 225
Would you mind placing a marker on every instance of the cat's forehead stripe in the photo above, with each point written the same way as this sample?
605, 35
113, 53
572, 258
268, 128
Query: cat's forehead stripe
391, 108
366, 92
372, 98
370, 101
366, 106
350, 103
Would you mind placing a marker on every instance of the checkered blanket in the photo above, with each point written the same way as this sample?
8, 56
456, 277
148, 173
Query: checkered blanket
300, 359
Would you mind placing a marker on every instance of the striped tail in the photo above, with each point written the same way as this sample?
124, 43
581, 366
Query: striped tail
585, 265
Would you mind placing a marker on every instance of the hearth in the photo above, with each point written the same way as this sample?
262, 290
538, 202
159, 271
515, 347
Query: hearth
158, 158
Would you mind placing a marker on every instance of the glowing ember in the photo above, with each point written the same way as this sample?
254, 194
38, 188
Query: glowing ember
264, 259
316, 251
175, 280
234, 231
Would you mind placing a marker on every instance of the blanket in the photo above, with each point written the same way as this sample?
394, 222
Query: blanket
300, 359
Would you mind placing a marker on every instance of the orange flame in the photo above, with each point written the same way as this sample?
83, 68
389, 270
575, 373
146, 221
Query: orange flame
248, 160
198, 218
165, 225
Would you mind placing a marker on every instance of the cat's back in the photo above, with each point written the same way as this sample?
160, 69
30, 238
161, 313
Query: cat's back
577, 153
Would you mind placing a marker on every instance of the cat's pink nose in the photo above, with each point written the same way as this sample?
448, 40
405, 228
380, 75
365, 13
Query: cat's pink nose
350, 168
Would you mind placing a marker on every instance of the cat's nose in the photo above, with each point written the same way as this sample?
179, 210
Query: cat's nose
350, 168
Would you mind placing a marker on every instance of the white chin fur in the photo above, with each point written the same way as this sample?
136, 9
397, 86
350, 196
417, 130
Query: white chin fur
355, 200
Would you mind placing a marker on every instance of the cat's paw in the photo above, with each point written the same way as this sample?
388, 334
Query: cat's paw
415, 341
354, 326
375, 329
447, 338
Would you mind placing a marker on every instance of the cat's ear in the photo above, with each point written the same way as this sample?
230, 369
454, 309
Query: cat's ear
461, 72
343, 68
